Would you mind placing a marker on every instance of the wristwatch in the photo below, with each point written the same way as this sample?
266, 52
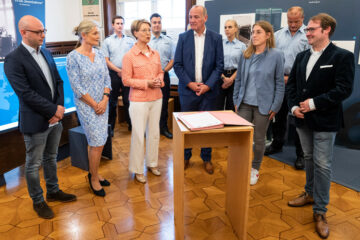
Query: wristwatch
107, 94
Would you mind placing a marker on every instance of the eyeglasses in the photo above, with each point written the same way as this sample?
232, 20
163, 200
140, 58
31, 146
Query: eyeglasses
40, 32
145, 31
228, 27
311, 29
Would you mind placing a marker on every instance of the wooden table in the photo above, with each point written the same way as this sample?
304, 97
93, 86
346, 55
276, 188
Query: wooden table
239, 141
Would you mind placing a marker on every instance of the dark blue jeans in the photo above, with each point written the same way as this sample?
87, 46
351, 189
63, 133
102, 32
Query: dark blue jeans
197, 104
42, 148
318, 150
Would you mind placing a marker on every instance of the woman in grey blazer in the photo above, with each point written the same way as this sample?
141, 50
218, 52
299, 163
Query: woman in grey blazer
259, 87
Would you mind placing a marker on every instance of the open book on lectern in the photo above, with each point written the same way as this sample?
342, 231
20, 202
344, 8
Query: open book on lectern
211, 120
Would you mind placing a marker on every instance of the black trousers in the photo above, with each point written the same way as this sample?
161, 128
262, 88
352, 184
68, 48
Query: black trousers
224, 99
279, 129
117, 85
166, 95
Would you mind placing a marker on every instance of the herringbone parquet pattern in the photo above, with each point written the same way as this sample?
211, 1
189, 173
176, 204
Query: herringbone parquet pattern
131, 210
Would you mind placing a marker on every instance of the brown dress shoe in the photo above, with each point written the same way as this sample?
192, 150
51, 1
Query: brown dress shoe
209, 167
186, 164
301, 200
321, 225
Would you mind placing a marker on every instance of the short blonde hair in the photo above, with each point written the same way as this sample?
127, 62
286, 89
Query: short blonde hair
136, 24
296, 9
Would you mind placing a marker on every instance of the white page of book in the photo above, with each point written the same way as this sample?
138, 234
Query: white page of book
199, 120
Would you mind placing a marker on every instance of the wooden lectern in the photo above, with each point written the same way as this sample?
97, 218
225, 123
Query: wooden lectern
239, 140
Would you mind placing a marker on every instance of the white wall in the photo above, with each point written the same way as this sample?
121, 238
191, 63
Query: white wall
60, 19
61, 16
200, 2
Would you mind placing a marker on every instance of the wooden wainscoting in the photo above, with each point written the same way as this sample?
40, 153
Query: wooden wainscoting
60, 48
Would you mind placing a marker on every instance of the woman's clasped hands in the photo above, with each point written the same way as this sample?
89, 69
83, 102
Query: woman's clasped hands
100, 108
154, 83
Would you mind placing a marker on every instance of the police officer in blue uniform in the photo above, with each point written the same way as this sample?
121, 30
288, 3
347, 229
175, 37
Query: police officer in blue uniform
114, 47
291, 40
165, 46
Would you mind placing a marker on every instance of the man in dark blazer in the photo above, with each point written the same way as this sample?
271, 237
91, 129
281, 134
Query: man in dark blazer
321, 78
32, 73
198, 63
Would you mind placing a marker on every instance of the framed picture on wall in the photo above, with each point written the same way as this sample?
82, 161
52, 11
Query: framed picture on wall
244, 21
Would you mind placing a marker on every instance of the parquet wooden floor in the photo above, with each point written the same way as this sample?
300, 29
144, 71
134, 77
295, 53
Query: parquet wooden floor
132, 210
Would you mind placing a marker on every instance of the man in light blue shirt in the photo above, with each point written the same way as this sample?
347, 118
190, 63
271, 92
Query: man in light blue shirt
165, 46
291, 40
114, 48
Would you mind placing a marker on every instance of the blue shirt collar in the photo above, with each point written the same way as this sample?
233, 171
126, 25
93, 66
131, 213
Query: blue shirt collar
154, 37
116, 36
233, 41
301, 29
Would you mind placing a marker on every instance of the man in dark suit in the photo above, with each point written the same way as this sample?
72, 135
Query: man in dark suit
198, 63
321, 78
32, 73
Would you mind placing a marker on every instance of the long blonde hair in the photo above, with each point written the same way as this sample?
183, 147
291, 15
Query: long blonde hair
270, 42
85, 26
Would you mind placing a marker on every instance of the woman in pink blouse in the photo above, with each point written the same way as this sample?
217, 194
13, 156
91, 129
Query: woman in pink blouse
143, 74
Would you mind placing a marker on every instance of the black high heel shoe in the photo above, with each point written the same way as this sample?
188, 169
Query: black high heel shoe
100, 192
104, 183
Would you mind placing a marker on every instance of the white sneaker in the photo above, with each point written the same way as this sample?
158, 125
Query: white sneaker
154, 171
254, 176
140, 178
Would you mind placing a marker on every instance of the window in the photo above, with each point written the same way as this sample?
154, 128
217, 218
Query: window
136, 10
172, 12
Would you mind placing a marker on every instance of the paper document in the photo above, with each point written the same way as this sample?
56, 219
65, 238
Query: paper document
211, 120
202, 120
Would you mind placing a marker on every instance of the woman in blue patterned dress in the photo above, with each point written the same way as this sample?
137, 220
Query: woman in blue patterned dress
90, 82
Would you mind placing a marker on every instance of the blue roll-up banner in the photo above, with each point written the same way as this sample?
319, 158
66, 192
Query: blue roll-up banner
12, 11
21, 8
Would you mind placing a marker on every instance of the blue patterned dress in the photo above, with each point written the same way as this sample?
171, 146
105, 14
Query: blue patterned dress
89, 77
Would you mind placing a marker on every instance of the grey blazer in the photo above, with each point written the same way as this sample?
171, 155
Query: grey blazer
270, 86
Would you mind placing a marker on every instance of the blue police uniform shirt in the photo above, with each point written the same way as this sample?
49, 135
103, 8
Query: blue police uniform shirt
291, 45
232, 53
165, 47
115, 48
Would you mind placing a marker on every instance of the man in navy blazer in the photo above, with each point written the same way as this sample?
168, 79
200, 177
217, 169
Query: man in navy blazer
32, 73
321, 78
198, 63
